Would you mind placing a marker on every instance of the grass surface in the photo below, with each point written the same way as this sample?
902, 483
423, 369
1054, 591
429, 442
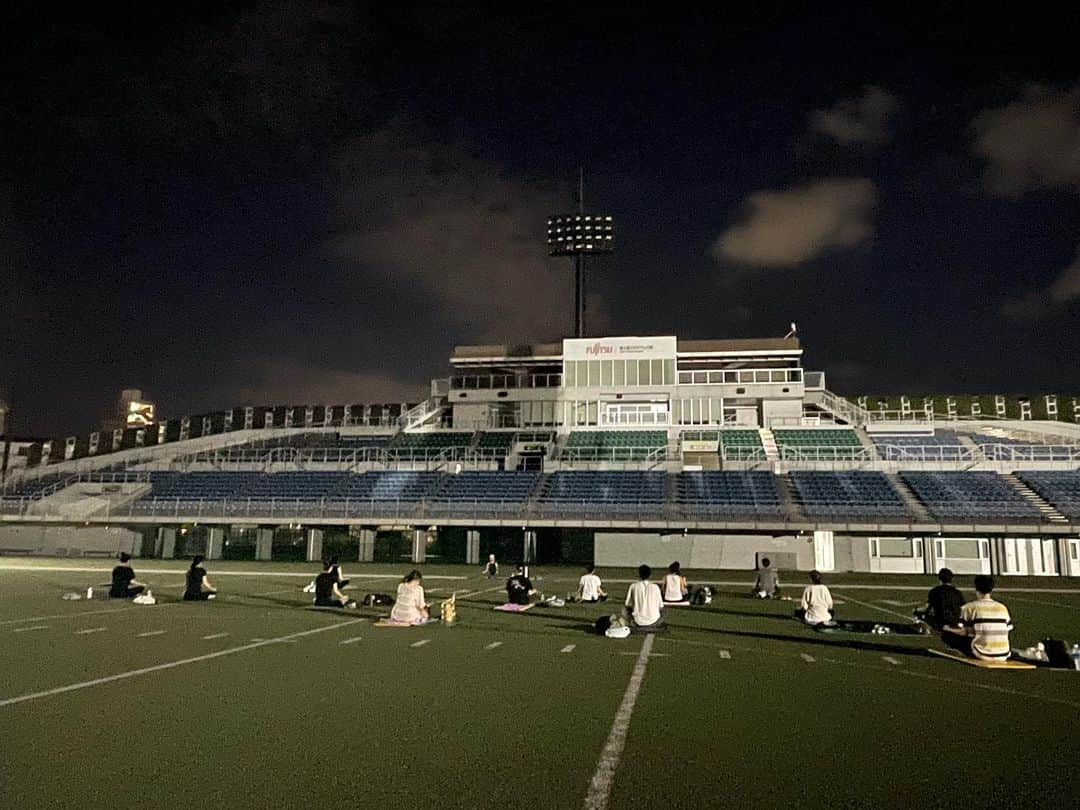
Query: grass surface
731, 711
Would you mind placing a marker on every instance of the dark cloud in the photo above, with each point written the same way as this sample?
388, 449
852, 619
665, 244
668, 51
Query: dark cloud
786, 228
865, 120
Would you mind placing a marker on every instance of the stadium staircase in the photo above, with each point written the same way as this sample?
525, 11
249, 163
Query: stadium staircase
913, 504
768, 441
1049, 513
789, 498
838, 408
425, 413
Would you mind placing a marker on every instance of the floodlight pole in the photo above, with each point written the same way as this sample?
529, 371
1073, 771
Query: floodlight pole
579, 267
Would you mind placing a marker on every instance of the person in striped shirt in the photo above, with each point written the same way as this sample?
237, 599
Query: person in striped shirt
984, 627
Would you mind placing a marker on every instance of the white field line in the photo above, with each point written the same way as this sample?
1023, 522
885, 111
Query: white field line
872, 606
213, 636
1040, 603
28, 629
149, 633
78, 615
170, 665
725, 654
272, 593
477, 593
807, 658
420, 643
604, 777
352, 640
888, 659
493, 645
569, 648
89, 630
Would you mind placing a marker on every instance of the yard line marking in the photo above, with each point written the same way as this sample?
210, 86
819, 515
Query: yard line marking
77, 615
600, 786
1044, 604
477, 593
746, 583
274, 593
807, 658
889, 659
569, 648
213, 636
171, 664
90, 630
257, 640
150, 633
872, 606
894, 603
352, 640
493, 645
726, 654
420, 643
28, 629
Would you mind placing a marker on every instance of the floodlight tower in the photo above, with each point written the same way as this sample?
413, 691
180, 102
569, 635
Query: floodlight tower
577, 236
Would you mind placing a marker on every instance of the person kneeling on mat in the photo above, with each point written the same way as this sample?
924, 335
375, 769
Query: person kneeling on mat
767, 584
124, 585
817, 603
519, 588
327, 593
409, 607
983, 631
198, 587
675, 589
644, 605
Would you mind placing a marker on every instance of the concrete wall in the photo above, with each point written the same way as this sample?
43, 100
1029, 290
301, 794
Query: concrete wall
69, 540
737, 552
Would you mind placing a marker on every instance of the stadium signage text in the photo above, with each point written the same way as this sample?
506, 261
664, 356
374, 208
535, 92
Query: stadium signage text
639, 347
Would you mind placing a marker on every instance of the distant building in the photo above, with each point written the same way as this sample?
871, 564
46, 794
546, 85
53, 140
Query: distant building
132, 411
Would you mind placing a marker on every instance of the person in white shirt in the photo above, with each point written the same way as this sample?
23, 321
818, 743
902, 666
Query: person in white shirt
675, 589
590, 589
644, 604
817, 603
409, 607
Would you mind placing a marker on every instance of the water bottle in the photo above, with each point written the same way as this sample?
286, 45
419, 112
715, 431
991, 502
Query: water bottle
90, 592
1075, 653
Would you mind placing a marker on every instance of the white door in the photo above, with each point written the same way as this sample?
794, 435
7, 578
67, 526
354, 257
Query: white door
824, 551
1016, 558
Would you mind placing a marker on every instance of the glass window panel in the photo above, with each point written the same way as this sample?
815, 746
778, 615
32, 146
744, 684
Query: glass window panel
962, 549
620, 372
669, 372
657, 372
894, 547
605, 372
571, 374
643, 372
631, 372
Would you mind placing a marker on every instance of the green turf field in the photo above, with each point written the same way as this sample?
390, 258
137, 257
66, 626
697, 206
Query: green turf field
257, 700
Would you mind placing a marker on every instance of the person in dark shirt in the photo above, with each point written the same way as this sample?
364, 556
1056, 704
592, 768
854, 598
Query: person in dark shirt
335, 569
943, 603
124, 584
518, 588
198, 587
327, 593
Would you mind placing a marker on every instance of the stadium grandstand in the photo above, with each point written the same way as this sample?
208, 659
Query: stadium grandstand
610, 450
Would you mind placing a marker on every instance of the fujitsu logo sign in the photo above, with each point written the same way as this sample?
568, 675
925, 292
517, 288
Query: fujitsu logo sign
599, 348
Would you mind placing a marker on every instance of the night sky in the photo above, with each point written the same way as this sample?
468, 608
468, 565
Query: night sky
312, 202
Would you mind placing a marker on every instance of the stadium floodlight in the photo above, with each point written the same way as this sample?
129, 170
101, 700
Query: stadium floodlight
577, 236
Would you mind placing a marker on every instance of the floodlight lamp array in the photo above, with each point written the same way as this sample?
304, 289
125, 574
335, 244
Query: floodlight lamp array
580, 234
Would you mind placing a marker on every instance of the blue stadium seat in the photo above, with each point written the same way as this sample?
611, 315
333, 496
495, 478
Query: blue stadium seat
746, 495
609, 491
1060, 488
970, 497
851, 494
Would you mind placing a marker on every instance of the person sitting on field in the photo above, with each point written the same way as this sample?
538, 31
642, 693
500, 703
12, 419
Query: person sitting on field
335, 569
327, 592
983, 629
491, 568
519, 588
124, 585
943, 603
198, 587
675, 589
590, 588
409, 606
817, 604
644, 605
767, 584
